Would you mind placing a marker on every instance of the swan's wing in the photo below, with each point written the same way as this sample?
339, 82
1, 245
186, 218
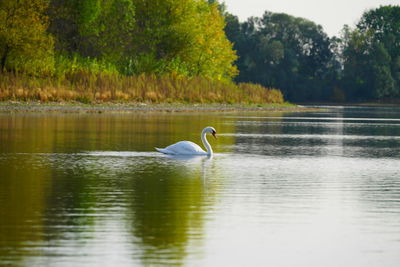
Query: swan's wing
162, 150
182, 148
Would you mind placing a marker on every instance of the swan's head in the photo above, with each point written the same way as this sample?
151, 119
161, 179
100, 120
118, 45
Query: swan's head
211, 130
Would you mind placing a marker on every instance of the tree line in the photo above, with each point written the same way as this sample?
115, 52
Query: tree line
198, 38
297, 56
185, 37
120, 50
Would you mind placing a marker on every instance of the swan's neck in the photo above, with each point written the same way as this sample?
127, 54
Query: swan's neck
205, 142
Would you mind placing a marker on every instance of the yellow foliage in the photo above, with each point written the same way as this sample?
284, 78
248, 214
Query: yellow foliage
24, 44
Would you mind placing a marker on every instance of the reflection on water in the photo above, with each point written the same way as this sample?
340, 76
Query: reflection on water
312, 189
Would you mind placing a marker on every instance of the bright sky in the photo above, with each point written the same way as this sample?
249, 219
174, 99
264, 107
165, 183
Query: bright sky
331, 14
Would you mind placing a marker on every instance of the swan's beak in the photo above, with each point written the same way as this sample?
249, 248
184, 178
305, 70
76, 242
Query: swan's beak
214, 134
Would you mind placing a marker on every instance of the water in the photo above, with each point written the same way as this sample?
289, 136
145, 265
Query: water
283, 189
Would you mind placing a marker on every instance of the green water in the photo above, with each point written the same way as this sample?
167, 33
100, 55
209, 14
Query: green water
299, 189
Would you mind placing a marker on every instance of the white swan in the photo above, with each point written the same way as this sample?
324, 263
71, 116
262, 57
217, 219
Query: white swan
190, 148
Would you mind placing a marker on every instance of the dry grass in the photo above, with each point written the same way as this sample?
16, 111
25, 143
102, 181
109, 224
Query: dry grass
88, 87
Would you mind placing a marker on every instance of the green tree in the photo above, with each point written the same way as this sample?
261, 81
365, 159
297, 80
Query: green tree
383, 81
282, 51
73, 23
184, 37
94, 29
161, 34
24, 43
64, 25
371, 55
115, 35
181, 36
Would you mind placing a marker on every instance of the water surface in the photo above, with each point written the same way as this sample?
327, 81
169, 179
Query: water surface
283, 189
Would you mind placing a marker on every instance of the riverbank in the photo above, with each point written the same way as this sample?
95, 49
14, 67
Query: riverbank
63, 107
391, 103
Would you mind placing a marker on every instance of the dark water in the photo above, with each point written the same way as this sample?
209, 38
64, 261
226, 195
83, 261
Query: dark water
299, 189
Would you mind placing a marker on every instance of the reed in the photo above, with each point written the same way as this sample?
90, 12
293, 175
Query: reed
86, 86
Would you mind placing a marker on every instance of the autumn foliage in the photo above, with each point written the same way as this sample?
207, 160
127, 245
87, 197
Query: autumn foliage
119, 50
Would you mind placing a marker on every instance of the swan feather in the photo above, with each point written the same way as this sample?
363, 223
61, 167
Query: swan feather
183, 148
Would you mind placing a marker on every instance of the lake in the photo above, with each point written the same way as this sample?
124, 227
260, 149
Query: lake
282, 189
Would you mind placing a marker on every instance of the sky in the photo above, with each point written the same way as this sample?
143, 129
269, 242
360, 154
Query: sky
332, 15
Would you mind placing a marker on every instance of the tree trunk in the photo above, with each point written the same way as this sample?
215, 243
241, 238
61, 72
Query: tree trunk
4, 59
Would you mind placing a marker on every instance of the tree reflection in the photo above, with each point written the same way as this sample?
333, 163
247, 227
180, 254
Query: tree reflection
22, 194
169, 203
57, 198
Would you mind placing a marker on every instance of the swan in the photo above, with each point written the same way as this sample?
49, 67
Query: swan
190, 148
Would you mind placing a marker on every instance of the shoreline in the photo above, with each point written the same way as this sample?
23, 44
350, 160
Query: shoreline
66, 107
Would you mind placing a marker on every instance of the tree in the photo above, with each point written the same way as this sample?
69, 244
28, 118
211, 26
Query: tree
65, 25
279, 50
184, 37
93, 28
371, 55
114, 38
181, 36
213, 53
24, 43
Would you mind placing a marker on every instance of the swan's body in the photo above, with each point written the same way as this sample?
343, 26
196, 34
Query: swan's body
183, 148
190, 148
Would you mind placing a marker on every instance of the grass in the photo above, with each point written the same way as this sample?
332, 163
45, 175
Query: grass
88, 87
